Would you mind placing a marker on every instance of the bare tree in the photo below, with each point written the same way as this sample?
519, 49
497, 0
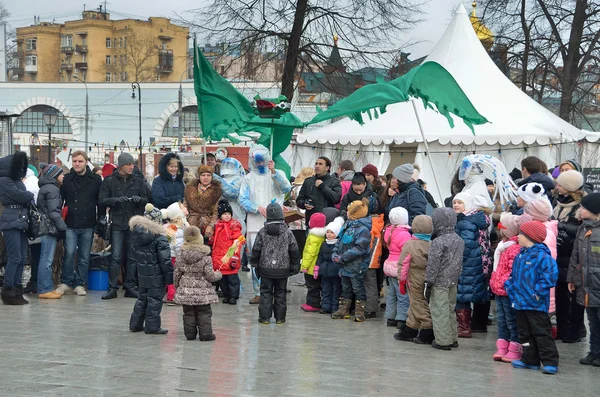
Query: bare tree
4, 13
137, 58
303, 30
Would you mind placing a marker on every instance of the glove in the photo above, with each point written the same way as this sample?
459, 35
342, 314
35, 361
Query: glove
303, 270
136, 199
427, 291
123, 199
316, 272
403, 287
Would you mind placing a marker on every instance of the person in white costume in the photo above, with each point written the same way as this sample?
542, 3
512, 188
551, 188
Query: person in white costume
262, 185
232, 175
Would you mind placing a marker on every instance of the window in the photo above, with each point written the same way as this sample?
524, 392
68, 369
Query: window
31, 60
124, 42
32, 120
164, 46
31, 44
83, 58
121, 42
124, 76
189, 122
108, 42
108, 76
115, 42
123, 60
108, 61
66, 41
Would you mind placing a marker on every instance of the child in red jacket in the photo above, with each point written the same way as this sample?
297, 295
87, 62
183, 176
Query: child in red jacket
227, 238
507, 345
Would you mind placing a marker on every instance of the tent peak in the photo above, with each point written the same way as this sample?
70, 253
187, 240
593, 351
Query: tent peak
461, 9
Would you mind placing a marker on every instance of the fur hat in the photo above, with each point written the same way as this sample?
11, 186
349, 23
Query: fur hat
531, 191
404, 173
591, 202
335, 226
317, 219
422, 224
125, 159
172, 212
398, 216
204, 169
539, 210
274, 212
154, 214
535, 231
191, 234
52, 170
358, 209
467, 200
571, 180
371, 170
224, 207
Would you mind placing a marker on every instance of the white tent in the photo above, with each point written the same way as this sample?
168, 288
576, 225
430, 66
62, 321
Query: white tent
518, 126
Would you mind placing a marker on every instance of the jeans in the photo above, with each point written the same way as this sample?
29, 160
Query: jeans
396, 305
119, 241
507, 319
594, 321
44, 281
331, 289
536, 337
80, 241
354, 284
16, 247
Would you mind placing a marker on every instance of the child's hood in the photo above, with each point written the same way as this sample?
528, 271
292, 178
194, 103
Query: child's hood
444, 221
144, 231
478, 219
318, 231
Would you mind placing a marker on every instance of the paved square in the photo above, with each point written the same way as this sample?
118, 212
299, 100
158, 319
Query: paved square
81, 346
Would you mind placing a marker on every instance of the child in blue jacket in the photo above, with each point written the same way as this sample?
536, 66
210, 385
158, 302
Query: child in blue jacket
534, 273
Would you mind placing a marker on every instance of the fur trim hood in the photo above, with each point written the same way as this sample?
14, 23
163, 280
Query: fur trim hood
146, 224
195, 246
318, 231
14, 166
162, 167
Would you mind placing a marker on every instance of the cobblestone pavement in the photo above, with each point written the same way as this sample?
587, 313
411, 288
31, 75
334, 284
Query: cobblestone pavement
81, 346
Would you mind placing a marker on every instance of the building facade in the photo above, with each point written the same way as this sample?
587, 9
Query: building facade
98, 49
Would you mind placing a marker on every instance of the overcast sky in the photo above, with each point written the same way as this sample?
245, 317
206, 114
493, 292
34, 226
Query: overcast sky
437, 14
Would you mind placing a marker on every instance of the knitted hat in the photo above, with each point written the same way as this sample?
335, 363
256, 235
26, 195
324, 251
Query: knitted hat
191, 234
203, 169
591, 202
531, 191
398, 216
335, 226
489, 182
317, 219
556, 172
467, 200
224, 207
422, 224
33, 169
371, 170
515, 174
172, 212
510, 224
330, 213
573, 163
358, 209
535, 231
125, 159
274, 212
107, 169
404, 173
571, 180
52, 170
539, 210
154, 214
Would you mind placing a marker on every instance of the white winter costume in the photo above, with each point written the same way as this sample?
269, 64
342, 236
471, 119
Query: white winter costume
232, 175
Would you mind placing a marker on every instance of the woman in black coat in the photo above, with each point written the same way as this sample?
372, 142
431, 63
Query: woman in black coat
168, 187
13, 224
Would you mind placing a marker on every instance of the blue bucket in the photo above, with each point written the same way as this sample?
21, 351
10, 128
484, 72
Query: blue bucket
98, 280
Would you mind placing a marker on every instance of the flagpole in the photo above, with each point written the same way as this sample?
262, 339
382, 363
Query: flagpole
204, 151
272, 132
413, 101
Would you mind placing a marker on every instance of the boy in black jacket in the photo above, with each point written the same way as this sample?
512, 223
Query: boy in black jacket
275, 256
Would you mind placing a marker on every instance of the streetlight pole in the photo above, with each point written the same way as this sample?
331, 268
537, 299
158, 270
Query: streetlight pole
133, 87
87, 112
50, 120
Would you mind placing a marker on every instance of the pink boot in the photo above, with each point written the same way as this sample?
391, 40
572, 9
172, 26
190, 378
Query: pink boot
514, 352
502, 349
308, 308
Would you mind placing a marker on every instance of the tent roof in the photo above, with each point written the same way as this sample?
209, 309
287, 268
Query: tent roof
514, 117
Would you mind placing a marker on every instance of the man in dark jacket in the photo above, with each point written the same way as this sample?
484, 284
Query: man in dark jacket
275, 256
320, 191
411, 195
168, 186
535, 170
80, 191
126, 195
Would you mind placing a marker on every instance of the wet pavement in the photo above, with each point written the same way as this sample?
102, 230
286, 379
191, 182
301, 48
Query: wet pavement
81, 346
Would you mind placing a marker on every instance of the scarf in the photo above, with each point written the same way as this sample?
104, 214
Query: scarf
500, 248
422, 236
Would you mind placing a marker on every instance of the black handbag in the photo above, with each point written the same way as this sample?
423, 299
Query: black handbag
104, 226
34, 222
47, 227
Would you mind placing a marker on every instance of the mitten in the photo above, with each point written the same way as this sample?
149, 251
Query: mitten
403, 287
316, 272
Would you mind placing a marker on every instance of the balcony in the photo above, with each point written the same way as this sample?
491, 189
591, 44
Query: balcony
81, 33
66, 50
82, 49
30, 52
81, 65
30, 68
66, 66
164, 37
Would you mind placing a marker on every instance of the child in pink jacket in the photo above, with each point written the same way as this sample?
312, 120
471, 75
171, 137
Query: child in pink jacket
396, 234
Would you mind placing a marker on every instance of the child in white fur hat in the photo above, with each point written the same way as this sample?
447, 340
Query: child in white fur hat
328, 270
176, 214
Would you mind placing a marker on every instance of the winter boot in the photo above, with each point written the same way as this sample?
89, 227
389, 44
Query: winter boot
31, 288
19, 295
463, 316
343, 311
406, 334
514, 352
359, 311
401, 324
425, 337
8, 296
501, 350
